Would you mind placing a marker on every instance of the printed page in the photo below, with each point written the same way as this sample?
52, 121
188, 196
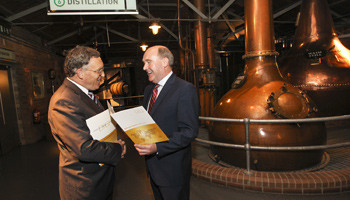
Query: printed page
102, 128
139, 126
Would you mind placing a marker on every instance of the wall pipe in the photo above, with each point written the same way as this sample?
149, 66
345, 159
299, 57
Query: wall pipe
181, 46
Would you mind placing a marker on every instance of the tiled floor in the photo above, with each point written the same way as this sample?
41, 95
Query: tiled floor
30, 173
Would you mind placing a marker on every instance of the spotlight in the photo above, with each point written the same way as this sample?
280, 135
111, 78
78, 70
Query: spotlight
144, 47
154, 28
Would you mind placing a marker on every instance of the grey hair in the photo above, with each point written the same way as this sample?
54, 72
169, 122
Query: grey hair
77, 57
164, 52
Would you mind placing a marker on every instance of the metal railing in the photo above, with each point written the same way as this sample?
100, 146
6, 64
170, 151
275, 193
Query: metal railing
247, 147
128, 97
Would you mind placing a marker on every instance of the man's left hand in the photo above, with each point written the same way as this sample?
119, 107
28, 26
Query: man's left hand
146, 149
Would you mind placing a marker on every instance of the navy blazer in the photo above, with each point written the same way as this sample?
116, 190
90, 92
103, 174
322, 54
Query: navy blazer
176, 112
80, 175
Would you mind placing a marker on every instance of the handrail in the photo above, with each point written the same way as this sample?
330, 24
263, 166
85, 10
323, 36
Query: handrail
294, 148
248, 147
316, 119
128, 97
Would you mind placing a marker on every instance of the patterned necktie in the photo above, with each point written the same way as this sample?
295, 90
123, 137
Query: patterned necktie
92, 96
153, 98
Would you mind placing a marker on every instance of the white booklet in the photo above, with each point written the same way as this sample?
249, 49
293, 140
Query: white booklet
101, 126
135, 122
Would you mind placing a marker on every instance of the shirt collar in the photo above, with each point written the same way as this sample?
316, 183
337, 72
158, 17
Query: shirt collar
82, 88
165, 79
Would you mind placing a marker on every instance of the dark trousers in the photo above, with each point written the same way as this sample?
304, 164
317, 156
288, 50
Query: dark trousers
179, 192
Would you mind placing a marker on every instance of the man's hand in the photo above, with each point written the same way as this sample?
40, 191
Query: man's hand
146, 149
122, 144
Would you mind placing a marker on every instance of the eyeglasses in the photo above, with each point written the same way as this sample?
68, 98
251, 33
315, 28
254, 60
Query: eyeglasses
98, 71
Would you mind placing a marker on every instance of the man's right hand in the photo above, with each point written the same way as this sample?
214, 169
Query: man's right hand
122, 144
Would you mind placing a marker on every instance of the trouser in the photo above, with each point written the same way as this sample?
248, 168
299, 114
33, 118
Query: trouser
178, 192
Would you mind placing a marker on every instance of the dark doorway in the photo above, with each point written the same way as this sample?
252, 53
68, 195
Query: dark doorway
9, 137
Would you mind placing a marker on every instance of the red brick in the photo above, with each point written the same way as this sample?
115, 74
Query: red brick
254, 188
277, 182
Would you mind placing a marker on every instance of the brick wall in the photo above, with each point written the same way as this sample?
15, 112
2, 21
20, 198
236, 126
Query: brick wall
31, 57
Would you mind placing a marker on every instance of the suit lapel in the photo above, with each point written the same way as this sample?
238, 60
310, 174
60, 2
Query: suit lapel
165, 90
83, 97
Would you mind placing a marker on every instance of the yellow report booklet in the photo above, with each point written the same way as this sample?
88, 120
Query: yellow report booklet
139, 126
135, 122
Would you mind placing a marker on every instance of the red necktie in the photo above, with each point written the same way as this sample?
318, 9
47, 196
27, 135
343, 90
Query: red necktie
153, 98
92, 96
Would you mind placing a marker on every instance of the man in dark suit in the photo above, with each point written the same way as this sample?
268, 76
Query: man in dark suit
81, 175
176, 111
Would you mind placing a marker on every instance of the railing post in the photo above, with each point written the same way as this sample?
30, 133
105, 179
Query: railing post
247, 144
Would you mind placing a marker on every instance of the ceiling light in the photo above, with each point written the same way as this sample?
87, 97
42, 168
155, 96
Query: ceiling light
154, 28
144, 47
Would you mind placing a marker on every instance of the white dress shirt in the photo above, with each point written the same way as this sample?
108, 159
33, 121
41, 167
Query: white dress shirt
86, 91
161, 84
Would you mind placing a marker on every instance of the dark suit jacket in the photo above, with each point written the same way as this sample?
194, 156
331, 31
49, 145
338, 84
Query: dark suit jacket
176, 112
80, 175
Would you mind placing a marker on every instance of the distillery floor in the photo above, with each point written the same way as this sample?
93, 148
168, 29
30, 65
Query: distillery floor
31, 172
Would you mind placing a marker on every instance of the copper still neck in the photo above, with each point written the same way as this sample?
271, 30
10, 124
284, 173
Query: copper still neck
259, 39
200, 37
260, 51
315, 22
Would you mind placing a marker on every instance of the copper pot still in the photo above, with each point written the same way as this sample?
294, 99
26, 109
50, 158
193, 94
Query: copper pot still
318, 62
263, 94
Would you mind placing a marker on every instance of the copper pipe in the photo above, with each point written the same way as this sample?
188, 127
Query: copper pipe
259, 28
200, 33
182, 71
212, 75
210, 46
200, 36
187, 70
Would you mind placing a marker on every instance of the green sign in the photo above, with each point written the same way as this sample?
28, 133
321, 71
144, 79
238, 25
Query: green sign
93, 6
59, 3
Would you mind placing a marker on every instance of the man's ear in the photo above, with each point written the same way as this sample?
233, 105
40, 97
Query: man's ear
165, 62
80, 73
